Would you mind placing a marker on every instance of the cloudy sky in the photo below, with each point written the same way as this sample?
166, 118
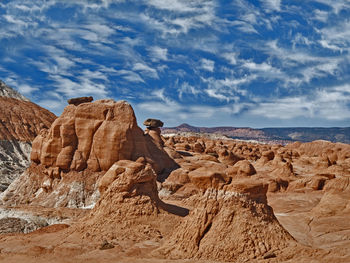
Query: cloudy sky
257, 63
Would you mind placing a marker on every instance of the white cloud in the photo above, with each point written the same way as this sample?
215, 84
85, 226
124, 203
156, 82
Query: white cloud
54, 105
207, 64
336, 5
97, 32
321, 15
80, 87
188, 89
274, 5
216, 94
194, 14
244, 27
98, 75
182, 6
258, 67
158, 53
231, 57
145, 70
227, 89
301, 40
193, 113
26, 89
302, 66
325, 44
130, 75
11, 19
328, 104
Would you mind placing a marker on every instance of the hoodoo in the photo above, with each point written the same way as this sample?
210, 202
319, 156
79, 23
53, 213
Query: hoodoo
81, 145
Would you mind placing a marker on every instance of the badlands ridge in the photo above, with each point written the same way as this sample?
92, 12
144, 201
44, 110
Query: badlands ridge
100, 189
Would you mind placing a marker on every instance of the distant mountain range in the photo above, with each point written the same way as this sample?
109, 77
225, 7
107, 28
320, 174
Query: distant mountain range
270, 135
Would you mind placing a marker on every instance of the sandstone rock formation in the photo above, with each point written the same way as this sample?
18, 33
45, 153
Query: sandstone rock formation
80, 100
80, 146
128, 192
20, 122
153, 123
227, 226
223, 201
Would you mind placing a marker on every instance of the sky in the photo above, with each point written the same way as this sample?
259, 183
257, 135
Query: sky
257, 63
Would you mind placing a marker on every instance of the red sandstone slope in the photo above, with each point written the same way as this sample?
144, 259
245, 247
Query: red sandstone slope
22, 120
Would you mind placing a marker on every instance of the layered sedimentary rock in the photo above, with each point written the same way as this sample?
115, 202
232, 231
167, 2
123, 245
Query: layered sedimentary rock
228, 226
20, 122
80, 146
217, 206
128, 194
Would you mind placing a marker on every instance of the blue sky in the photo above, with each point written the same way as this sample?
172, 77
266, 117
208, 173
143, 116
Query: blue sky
271, 63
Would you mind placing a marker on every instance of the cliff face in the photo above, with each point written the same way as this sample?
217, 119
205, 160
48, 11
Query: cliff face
20, 122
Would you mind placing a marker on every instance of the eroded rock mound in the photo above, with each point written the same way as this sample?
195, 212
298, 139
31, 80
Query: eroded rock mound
95, 136
128, 194
81, 145
227, 226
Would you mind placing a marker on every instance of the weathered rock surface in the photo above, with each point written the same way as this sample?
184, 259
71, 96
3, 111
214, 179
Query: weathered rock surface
95, 136
14, 159
80, 146
216, 206
20, 122
128, 191
227, 226
6, 91
153, 123
80, 100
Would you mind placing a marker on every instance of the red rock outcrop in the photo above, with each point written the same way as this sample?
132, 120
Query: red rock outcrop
80, 146
128, 191
227, 226
95, 136
22, 120
227, 199
241, 169
80, 100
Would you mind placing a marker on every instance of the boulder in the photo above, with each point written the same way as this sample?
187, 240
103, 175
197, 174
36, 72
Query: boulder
241, 169
176, 179
227, 157
205, 178
80, 100
153, 123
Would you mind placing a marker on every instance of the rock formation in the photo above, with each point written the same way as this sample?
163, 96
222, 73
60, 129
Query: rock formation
154, 131
227, 226
20, 122
152, 198
80, 146
80, 100
128, 193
